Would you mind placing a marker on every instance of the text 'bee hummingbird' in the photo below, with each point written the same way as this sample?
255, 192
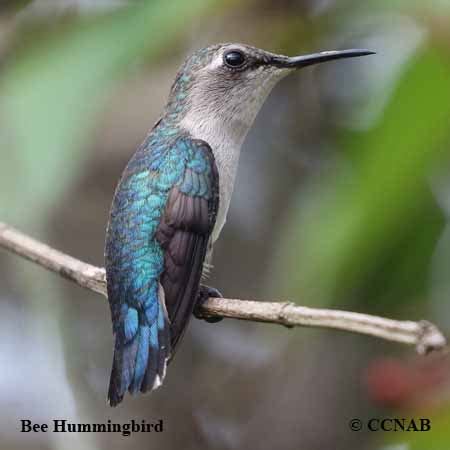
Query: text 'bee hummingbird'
172, 201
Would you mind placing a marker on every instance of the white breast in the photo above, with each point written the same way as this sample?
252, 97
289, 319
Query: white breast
227, 164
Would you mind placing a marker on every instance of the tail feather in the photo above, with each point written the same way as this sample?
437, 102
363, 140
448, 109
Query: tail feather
160, 337
139, 364
164, 341
141, 360
116, 392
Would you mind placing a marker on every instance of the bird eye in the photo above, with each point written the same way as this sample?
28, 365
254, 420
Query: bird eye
234, 59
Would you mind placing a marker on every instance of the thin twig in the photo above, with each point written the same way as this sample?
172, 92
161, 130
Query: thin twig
424, 335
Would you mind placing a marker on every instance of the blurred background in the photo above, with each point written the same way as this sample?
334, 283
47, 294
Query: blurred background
342, 200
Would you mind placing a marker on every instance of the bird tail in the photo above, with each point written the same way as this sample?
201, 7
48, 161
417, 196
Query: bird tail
141, 353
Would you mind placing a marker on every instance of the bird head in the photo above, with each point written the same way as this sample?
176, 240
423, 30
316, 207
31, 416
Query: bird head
226, 84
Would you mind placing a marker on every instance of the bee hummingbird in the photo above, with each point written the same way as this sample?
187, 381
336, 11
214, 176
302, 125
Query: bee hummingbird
172, 200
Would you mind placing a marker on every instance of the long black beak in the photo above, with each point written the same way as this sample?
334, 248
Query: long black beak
297, 62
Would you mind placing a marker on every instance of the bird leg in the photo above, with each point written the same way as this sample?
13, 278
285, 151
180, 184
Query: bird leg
204, 293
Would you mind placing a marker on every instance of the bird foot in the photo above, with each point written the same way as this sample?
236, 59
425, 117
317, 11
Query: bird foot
203, 294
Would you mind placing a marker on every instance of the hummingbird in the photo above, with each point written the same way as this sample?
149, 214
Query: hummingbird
171, 203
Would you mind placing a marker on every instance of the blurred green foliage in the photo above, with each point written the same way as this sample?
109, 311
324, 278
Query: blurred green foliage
52, 92
435, 439
376, 217
365, 233
13, 5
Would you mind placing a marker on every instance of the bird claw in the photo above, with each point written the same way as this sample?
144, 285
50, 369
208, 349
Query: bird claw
203, 294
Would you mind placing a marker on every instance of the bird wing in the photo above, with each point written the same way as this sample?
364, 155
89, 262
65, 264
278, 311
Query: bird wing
184, 233
162, 216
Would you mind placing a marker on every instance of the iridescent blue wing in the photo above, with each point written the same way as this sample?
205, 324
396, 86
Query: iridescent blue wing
162, 216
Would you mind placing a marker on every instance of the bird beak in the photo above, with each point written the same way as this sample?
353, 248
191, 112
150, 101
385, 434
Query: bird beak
298, 62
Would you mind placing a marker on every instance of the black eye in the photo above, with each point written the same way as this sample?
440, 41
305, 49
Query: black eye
234, 59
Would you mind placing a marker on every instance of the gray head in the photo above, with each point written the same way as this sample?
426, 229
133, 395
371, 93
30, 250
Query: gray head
224, 86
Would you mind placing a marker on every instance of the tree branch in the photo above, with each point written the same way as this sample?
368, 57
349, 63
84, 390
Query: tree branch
424, 335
